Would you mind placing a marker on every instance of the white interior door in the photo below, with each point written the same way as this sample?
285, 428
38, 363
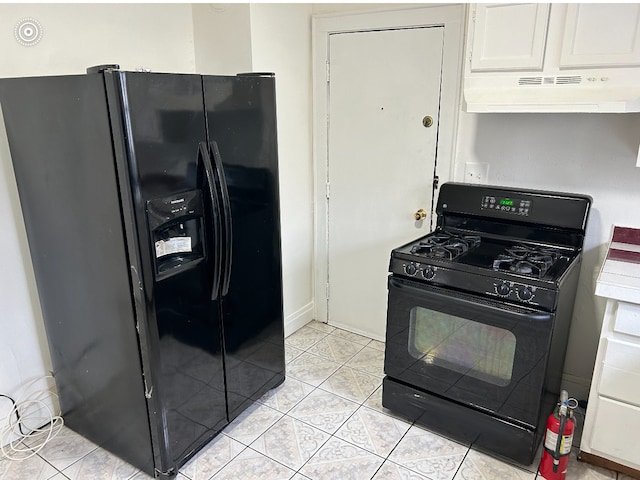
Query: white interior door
381, 162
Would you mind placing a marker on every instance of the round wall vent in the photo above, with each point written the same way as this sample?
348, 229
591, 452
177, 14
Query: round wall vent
28, 32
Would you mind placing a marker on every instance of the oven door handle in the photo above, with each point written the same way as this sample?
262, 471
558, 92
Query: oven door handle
447, 296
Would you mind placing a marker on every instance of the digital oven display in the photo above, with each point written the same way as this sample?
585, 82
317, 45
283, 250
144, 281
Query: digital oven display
510, 205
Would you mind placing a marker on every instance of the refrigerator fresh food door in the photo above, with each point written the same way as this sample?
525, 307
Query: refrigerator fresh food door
241, 118
177, 226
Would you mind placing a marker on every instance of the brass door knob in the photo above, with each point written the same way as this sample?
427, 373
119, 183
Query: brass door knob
420, 214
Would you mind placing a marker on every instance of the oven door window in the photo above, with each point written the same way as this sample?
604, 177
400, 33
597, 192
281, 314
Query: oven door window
477, 350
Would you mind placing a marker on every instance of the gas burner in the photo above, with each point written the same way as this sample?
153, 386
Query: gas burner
524, 260
438, 238
444, 245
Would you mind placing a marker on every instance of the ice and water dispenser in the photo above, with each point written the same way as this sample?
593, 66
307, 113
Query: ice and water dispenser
177, 230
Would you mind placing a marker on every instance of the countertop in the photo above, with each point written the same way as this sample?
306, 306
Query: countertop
619, 276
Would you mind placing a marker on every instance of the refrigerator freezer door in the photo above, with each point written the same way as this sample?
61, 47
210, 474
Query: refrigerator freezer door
241, 118
61, 146
164, 124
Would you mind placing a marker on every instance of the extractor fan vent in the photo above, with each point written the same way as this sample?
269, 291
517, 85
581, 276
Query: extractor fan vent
530, 81
561, 80
569, 80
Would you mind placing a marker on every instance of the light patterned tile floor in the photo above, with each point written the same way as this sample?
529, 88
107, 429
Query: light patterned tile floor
325, 422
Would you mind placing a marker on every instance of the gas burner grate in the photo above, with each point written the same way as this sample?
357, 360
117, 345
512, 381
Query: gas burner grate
446, 246
525, 260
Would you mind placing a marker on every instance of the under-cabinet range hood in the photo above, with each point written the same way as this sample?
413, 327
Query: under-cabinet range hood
575, 92
541, 57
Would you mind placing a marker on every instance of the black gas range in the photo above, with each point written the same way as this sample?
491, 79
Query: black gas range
479, 312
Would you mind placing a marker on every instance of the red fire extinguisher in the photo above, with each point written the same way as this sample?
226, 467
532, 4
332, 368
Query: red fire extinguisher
557, 441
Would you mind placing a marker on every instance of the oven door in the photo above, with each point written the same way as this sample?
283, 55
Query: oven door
480, 353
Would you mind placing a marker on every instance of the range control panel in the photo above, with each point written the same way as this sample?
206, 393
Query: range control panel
514, 206
484, 285
538, 207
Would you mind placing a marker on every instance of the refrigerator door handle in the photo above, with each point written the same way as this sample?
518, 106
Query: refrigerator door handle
226, 206
203, 153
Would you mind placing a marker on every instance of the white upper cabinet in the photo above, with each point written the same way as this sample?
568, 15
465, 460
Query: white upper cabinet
537, 57
509, 36
598, 35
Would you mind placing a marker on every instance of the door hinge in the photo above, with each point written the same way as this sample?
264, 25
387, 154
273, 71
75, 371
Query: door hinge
328, 190
327, 290
436, 182
328, 71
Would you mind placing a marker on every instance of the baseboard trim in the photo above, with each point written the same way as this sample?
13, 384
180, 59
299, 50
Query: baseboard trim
298, 319
609, 464
358, 331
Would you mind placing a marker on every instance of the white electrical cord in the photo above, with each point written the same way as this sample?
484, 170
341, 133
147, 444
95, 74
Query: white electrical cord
19, 420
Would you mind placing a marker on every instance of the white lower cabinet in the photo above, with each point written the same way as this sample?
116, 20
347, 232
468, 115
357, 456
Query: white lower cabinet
620, 379
612, 424
616, 431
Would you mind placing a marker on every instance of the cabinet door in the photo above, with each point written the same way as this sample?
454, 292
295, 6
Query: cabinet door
620, 377
615, 432
509, 36
601, 35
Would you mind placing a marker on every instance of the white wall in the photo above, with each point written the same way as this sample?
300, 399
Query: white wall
76, 36
222, 34
593, 154
281, 43
331, 7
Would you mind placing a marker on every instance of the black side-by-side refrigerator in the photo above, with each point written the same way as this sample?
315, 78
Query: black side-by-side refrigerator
151, 207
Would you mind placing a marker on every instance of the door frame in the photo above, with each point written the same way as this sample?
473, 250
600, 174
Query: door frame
453, 19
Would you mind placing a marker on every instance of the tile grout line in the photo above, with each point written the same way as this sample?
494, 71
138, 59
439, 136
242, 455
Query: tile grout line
360, 404
411, 424
58, 471
284, 414
317, 387
330, 436
61, 471
466, 454
357, 402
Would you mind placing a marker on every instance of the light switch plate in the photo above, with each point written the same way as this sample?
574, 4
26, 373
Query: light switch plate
476, 172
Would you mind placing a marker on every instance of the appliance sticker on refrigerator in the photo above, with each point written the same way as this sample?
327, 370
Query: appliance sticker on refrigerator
173, 245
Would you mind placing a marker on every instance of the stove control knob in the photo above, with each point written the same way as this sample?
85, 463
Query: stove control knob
429, 273
525, 294
503, 289
410, 269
